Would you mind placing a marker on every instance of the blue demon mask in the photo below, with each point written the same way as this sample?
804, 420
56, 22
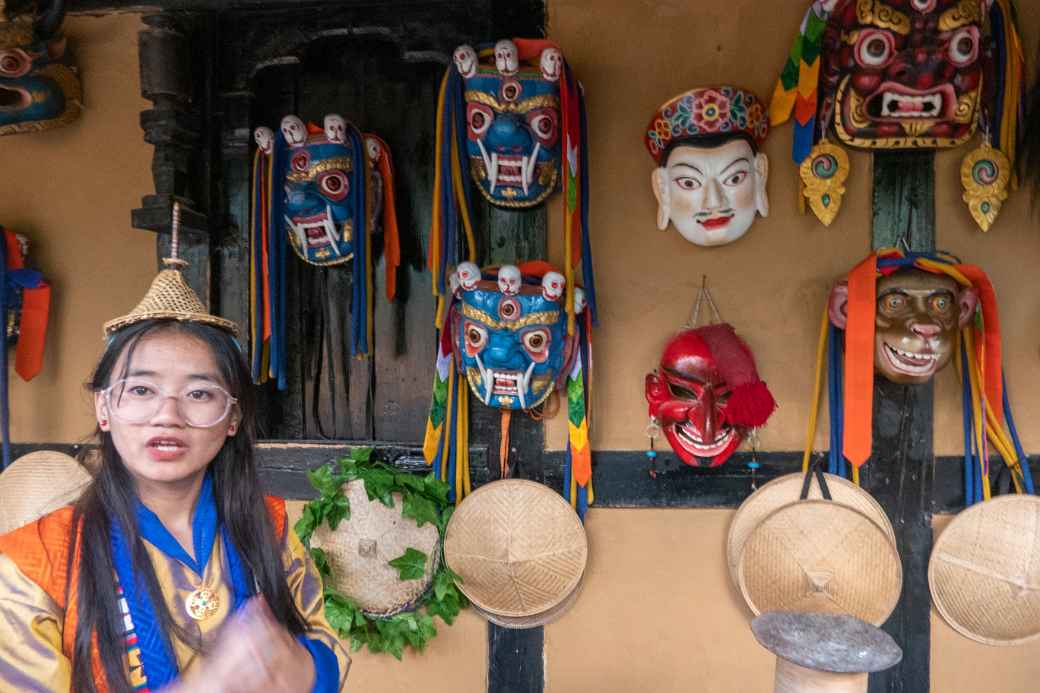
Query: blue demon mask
39, 89
512, 123
510, 335
324, 195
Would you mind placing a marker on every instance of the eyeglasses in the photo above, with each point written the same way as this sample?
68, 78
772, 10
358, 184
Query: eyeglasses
135, 401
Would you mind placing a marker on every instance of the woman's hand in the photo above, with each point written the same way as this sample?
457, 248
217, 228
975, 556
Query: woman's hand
253, 653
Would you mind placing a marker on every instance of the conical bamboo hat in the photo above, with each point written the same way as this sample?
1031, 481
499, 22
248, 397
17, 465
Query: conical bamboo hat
37, 484
170, 297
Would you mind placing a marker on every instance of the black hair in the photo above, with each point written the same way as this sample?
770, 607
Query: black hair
707, 142
110, 498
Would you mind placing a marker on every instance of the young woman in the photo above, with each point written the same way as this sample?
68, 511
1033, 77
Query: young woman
172, 571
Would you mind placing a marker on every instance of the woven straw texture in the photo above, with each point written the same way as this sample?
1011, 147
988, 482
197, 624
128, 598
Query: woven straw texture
359, 550
518, 546
169, 297
819, 556
36, 484
523, 622
786, 489
984, 573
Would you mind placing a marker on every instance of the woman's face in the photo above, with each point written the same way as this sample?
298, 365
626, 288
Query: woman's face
163, 449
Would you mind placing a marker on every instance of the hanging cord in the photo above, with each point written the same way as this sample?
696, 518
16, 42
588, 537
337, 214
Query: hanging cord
704, 294
175, 228
653, 430
753, 464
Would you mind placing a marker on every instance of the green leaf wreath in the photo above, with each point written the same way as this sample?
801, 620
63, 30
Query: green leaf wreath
425, 500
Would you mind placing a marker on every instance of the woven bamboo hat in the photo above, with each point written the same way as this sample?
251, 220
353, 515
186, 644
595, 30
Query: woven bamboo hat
36, 484
519, 549
359, 551
984, 572
820, 556
169, 296
786, 489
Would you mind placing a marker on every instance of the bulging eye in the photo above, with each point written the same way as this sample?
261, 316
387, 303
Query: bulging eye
14, 63
536, 344
964, 46
479, 118
509, 309
941, 304
737, 178
875, 48
334, 185
476, 338
511, 91
543, 124
893, 302
300, 162
688, 183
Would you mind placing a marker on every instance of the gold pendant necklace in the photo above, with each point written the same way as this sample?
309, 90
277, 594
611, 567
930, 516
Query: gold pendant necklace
202, 603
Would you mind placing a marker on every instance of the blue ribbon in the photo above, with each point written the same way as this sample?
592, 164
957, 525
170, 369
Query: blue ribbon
157, 655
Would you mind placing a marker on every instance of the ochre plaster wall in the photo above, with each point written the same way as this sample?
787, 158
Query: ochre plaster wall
657, 611
70, 190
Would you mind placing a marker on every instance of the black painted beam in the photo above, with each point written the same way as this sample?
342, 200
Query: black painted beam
899, 473
515, 661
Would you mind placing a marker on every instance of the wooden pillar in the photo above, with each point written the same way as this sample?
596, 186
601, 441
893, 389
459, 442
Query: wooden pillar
900, 470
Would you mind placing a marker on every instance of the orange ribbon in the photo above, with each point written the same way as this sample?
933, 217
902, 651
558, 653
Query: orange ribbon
859, 361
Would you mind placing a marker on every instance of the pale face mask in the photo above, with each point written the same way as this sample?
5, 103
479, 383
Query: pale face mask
711, 194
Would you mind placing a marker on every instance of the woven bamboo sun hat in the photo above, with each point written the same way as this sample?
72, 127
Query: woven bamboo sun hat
520, 551
36, 484
360, 548
169, 296
984, 573
824, 557
786, 489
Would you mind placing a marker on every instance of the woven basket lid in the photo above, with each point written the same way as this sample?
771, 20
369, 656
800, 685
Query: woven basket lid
984, 572
786, 489
36, 484
820, 556
518, 547
359, 550
542, 619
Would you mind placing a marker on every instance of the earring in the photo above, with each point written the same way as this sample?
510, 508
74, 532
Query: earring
103, 422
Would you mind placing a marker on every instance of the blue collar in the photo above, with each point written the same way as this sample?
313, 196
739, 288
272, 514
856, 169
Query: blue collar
157, 656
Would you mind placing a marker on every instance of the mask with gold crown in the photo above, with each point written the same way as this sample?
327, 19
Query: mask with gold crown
321, 191
39, 89
904, 74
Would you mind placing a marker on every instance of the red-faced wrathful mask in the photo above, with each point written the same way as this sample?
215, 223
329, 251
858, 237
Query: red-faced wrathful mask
707, 394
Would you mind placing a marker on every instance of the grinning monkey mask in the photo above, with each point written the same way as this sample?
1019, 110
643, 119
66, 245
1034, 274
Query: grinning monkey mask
917, 318
706, 394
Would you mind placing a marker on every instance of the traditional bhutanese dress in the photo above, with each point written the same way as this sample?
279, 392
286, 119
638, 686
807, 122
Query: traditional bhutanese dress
37, 624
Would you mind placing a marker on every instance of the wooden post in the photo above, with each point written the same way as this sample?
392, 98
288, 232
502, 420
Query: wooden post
900, 471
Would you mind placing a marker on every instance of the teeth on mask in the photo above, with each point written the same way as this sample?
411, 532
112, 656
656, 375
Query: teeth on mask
909, 362
528, 169
911, 106
690, 439
330, 229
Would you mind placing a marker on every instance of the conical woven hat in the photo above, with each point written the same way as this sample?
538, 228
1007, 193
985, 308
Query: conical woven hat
36, 484
820, 556
169, 297
518, 547
984, 573
786, 489
359, 551
542, 619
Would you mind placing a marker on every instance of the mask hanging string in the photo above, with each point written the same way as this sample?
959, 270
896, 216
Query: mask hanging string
703, 295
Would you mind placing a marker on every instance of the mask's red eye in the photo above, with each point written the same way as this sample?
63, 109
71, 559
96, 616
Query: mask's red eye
875, 48
964, 46
300, 161
543, 124
334, 185
476, 338
14, 63
479, 117
511, 90
536, 344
